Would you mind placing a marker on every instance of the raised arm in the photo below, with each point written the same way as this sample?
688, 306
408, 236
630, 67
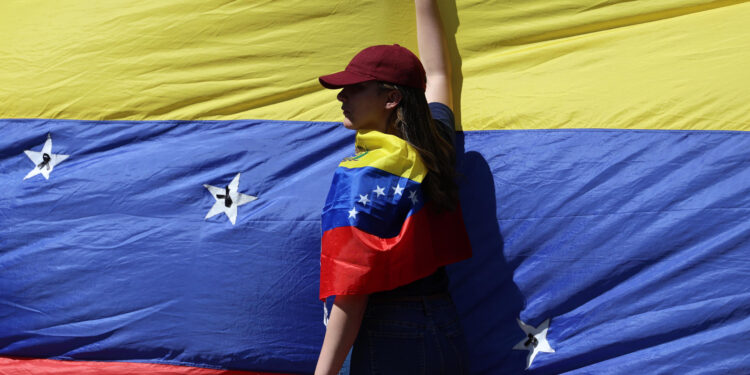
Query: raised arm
433, 52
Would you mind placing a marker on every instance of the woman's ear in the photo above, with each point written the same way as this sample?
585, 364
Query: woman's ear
393, 99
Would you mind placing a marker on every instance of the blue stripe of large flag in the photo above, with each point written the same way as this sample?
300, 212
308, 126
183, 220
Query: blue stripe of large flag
112, 257
633, 243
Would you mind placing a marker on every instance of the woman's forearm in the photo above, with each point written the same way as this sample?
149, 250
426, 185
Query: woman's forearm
433, 52
343, 326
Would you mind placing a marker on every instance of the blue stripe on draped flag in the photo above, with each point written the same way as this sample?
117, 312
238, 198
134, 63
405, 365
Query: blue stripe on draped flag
383, 217
631, 246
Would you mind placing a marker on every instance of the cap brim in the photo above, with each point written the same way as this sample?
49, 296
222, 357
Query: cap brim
341, 79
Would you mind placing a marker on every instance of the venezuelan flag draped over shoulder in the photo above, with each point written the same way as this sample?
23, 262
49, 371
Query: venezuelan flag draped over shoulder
393, 238
164, 166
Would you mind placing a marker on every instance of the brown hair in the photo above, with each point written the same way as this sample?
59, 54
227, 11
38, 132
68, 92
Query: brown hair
412, 122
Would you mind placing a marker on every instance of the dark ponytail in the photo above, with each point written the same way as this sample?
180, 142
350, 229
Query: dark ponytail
412, 122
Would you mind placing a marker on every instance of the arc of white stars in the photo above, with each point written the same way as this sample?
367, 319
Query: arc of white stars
535, 340
379, 191
44, 161
413, 197
397, 190
228, 199
363, 199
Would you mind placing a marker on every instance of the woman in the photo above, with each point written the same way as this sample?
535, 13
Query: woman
391, 220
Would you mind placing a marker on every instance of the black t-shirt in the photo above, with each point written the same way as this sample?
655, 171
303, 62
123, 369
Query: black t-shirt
438, 281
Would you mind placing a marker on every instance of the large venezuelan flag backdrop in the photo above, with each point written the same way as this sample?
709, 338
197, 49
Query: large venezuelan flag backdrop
163, 166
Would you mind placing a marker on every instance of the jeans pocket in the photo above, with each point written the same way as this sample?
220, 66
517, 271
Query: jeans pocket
457, 351
396, 349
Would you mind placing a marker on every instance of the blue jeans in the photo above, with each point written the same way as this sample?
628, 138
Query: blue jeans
414, 335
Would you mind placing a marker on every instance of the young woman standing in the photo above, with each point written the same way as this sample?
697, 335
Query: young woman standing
392, 219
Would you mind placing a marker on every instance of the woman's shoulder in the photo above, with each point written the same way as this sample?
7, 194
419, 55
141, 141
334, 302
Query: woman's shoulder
443, 116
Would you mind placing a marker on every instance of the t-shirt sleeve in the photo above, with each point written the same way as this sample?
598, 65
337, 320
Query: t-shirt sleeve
445, 120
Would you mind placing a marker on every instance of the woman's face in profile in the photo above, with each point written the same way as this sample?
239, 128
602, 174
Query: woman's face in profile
364, 106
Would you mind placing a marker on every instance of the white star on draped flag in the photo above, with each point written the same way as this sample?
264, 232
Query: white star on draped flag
535, 340
353, 213
413, 197
44, 161
379, 191
397, 190
363, 199
228, 199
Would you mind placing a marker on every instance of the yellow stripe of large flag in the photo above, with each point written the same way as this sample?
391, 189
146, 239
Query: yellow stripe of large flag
537, 64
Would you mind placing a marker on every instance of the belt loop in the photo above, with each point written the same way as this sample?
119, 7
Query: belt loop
426, 307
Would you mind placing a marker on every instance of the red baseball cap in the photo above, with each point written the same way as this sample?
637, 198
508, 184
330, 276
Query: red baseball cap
388, 63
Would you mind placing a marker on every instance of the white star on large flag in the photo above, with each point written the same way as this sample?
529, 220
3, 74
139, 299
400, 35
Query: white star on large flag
45, 160
535, 340
228, 199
